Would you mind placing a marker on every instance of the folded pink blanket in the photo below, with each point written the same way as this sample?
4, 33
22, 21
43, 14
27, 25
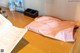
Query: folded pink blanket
53, 28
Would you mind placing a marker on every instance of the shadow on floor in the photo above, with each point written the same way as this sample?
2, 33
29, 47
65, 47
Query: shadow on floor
20, 45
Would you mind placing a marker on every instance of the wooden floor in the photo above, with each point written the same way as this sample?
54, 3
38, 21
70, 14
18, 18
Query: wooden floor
76, 48
35, 43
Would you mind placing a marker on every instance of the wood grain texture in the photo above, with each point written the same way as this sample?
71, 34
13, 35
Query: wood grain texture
76, 48
37, 43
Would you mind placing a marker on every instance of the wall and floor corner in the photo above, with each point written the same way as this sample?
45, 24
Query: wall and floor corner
59, 8
77, 18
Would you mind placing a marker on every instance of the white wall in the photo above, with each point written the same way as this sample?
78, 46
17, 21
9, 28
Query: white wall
3, 2
58, 8
35, 4
77, 13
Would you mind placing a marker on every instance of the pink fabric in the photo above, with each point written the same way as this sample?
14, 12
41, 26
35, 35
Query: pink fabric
65, 35
43, 22
53, 28
34, 26
45, 18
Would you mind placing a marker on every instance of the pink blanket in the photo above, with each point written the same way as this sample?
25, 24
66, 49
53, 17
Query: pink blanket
53, 28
